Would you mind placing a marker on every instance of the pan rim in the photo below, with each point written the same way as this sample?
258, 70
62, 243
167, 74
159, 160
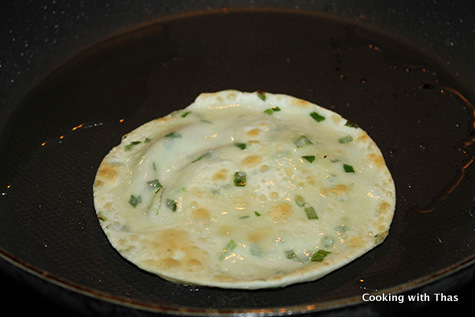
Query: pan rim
178, 310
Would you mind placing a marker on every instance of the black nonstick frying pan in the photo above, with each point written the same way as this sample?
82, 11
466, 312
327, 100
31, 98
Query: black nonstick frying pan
77, 75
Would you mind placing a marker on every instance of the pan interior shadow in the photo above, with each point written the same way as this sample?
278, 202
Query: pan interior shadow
417, 115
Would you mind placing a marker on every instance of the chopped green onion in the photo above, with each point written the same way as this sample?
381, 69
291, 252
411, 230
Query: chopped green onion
257, 214
290, 254
146, 140
309, 158
348, 168
202, 156
231, 245
262, 95
155, 184
100, 216
317, 116
173, 135
302, 141
272, 110
240, 178
345, 139
244, 217
131, 145
311, 213
242, 146
172, 204
185, 114
299, 201
135, 200
319, 255
351, 124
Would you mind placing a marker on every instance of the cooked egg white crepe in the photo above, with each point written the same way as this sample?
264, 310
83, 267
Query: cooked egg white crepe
245, 190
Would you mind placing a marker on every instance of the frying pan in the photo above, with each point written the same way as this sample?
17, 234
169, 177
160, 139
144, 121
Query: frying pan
77, 75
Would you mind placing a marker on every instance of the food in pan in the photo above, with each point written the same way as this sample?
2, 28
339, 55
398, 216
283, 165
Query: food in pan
245, 190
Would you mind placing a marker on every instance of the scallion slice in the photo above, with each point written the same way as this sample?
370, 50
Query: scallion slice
319, 255
135, 200
309, 158
345, 139
242, 146
302, 141
240, 179
261, 94
173, 135
316, 116
311, 213
131, 145
172, 204
226, 251
348, 168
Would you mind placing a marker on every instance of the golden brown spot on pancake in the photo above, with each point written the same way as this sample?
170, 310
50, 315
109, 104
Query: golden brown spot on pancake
281, 211
108, 172
363, 137
301, 103
383, 207
193, 265
264, 168
253, 142
252, 161
98, 183
221, 175
224, 278
377, 159
336, 119
108, 206
337, 190
258, 235
200, 215
253, 132
168, 263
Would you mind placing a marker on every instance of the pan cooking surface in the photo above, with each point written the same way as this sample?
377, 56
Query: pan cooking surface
418, 116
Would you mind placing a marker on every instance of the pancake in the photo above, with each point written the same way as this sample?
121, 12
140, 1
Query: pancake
246, 191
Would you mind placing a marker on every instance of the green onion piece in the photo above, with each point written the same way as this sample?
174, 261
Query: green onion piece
185, 114
231, 245
172, 204
309, 158
242, 146
317, 116
319, 255
272, 110
173, 135
244, 217
351, 124
135, 200
348, 168
299, 201
311, 213
202, 156
290, 254
345, 139
302, 141
257, 214
101, 216
146, 140
240, 179
155, 184
261, 94
131, 145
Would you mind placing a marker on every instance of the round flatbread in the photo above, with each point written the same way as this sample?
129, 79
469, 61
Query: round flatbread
245, 190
